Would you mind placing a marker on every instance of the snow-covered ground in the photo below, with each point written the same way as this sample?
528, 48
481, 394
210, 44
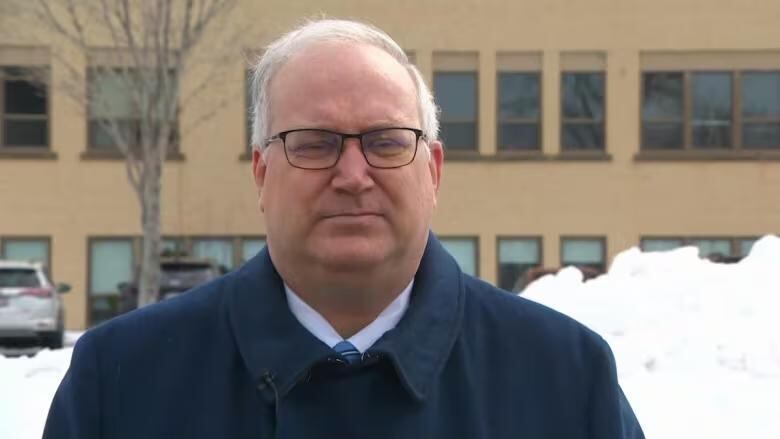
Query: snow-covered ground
27, 385
697, 344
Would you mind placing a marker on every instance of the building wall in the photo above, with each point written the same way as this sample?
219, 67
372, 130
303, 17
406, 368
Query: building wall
621, 194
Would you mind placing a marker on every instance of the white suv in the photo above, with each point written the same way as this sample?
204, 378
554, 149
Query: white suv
31, 310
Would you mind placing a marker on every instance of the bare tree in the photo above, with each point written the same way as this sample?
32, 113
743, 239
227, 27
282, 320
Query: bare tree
134, 92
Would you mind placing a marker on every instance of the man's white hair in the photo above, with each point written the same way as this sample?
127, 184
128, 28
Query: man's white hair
280, 51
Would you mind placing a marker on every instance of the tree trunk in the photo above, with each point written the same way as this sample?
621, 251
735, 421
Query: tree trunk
149, 282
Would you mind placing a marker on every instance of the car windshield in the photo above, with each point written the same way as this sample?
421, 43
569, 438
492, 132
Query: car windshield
18, 278
186, 272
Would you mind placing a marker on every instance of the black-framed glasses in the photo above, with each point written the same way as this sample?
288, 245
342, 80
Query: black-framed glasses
384, 148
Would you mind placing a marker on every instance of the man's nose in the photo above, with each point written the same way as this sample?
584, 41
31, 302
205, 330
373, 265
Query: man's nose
352, 170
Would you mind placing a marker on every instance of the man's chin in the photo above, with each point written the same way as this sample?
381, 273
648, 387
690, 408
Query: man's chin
352, 254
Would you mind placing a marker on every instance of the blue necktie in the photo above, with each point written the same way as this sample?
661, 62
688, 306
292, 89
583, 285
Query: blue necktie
348, 351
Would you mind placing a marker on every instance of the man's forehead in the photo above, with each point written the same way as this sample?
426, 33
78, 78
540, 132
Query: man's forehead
331, 60
341, 79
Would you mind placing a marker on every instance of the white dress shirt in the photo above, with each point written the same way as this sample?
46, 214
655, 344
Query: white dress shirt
363, 339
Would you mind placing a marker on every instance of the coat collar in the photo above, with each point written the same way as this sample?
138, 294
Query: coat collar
271, 341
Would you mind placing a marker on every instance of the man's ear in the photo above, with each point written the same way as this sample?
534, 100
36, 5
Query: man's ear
436, 163
259, 167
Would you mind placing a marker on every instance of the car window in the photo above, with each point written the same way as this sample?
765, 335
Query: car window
18, 277
186, 272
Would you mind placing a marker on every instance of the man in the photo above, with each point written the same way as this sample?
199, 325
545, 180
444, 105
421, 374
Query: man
354, 322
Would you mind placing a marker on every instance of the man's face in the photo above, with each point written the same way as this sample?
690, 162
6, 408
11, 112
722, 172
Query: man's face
351, 217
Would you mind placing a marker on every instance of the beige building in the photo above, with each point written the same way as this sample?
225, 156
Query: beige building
575, 130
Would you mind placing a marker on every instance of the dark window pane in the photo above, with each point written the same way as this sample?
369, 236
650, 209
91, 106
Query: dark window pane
518, 95
663, 96
22, 97
761, 94
657, 135
456, 94
515, 258
583, 95
249, 120
712, 110
761, 135
715, 135
512, 277
25, 133
524, 136
18, 278
583, 136
461, 135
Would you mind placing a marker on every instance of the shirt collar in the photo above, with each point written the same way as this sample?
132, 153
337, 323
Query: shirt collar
363, 339
272, 342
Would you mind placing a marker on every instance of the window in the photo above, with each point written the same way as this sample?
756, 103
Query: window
711, 110
250, 247
115, 103
519, 111
111, 262
662, 110
456, 95
760, 110
660, 244
582, 102
172, 247
464, 250
745, 246
588, 254
248, 104
709, 248
27, 249
515, 257
218, 250
24, 108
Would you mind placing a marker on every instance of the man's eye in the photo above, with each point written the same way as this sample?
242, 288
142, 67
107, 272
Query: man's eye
312, 147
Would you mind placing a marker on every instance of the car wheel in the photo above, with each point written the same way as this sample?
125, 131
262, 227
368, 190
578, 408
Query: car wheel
54, 340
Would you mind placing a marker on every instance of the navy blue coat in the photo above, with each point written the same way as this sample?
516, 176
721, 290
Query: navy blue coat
229, 360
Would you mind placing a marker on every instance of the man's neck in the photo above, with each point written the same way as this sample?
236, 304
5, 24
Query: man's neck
350, 306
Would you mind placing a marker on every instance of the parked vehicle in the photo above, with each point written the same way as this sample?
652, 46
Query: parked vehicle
177, 276
31, 310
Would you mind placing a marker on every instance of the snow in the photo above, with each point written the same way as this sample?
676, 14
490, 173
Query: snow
697, 343
27, 386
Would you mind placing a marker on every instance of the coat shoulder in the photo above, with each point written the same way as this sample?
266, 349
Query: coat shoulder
184, 319
509, 313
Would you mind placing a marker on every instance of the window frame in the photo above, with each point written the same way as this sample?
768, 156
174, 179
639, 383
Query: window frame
538, 121
113, 151
737, 120
135, 247
472, 238
540, 254
46, 116
582, 121
594, 238
688, 241
473, 148
4, 240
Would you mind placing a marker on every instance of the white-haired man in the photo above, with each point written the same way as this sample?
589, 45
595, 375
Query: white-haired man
354, 321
